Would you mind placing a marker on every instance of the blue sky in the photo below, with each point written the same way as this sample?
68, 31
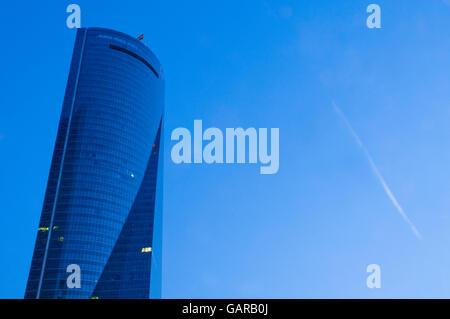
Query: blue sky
229, 232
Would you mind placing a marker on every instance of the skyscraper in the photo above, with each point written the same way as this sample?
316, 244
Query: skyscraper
102, 210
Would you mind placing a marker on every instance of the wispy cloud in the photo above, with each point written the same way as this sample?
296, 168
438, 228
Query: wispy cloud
377, 172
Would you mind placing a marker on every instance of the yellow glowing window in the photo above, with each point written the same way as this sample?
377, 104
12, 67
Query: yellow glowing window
94, 297
146, 249
61, 239
43, 228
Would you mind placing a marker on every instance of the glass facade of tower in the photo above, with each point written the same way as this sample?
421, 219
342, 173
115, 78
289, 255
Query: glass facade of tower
103, 204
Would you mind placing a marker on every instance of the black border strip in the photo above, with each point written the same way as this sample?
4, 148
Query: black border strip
228, 308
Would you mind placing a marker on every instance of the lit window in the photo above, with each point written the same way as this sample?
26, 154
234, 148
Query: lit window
146, 249
43, 229
55, 227
132, 175
94, 297
61, 239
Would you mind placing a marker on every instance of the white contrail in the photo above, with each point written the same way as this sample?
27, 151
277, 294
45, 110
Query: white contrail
377, 172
